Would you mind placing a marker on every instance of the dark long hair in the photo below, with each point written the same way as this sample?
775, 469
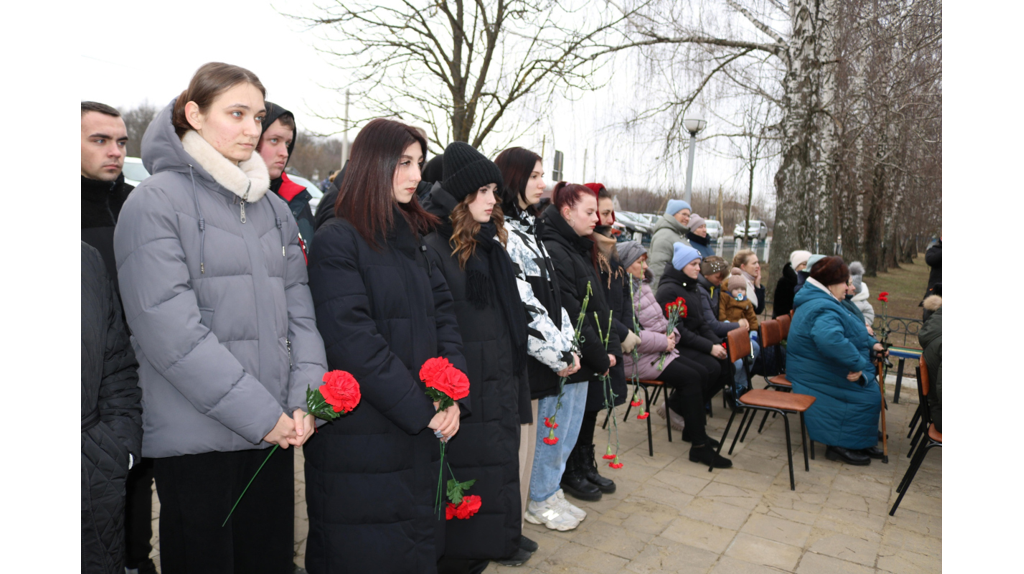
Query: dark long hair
465, 228
366, 196
210, 80
568, 195
516, 165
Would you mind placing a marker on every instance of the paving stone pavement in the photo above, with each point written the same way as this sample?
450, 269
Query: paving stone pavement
671, 515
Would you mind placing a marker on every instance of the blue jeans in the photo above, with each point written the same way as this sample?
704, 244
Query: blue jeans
740, 379
549, 459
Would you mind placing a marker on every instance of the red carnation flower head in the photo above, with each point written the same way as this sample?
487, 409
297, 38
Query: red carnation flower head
635, 403
608, 455
615, 463
441, 375
550, 423
883, 298
341, 391
470, 505
450, 511
551, 438
643, 415
885, 293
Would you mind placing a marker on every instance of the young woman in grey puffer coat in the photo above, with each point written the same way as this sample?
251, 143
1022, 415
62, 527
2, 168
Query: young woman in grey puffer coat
214, 288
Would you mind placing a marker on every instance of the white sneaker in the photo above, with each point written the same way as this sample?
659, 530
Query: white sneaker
576, 512
550, 514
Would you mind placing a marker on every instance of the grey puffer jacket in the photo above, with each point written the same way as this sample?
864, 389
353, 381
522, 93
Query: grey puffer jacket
214, 290
666, 232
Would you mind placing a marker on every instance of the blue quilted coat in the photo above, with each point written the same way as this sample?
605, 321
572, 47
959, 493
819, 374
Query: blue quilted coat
826, 342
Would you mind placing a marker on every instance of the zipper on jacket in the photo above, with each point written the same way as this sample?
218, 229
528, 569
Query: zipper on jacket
288, 344
245, 198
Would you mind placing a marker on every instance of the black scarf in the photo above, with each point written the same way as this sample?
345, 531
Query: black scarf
489, 273
101, 202
693, 237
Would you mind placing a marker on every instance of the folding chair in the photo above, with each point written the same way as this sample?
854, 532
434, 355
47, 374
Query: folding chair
764, 400
934, 437
924, 414
649, 399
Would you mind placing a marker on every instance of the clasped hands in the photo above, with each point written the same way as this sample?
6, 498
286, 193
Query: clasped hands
292, 431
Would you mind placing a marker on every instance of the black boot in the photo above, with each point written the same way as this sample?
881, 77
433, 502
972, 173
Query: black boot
605, 485
575, 482
848, 456
707, 456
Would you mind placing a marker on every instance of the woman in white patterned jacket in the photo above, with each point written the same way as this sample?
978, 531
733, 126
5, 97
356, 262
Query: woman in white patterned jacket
550, 330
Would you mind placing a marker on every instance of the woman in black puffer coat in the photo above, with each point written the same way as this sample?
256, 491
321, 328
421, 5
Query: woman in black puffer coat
383, 310
467, 247
111, 418
575, 257
698, 345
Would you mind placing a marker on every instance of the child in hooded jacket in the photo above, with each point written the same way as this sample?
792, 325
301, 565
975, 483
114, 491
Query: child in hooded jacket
733, 304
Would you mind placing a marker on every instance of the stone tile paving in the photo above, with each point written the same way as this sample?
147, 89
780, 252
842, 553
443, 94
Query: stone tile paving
671, 515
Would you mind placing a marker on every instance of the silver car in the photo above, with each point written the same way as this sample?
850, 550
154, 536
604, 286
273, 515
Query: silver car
714, 229
758, 230
134, 172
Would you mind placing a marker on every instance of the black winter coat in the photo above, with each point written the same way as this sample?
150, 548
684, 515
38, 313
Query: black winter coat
111, 418
570, 254
297, 198
694, 332
616, 293
933, 257
487, 445
371, 476
101, 206
782, 302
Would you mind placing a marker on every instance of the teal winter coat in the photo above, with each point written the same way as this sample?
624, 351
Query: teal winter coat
827, 342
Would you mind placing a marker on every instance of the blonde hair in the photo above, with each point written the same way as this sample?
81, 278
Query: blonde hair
742, 257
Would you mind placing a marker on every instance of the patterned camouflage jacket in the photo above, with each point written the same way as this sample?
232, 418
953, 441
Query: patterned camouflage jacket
550, 330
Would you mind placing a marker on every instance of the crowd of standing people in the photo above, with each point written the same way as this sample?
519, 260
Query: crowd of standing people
238, 298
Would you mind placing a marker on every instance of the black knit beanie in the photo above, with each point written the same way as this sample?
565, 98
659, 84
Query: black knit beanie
467, 170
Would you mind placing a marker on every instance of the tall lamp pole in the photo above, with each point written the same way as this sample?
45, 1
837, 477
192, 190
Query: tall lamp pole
693, 125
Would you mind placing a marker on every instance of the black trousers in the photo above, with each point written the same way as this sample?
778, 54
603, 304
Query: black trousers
711, 373
196, 493
138, 514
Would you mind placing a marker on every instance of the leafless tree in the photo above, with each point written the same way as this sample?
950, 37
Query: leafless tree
459, 66
137, 119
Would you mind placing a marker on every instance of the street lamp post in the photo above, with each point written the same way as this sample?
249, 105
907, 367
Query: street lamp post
693, 125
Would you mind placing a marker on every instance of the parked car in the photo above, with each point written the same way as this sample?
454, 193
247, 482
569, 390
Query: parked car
714, 229
134, 171
311, 188
757, 230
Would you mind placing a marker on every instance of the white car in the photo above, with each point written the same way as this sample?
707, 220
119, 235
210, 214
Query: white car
311, 188
758, 230
134, 172
714, 229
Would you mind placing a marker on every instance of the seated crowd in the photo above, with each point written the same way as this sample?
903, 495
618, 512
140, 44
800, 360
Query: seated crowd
237, 301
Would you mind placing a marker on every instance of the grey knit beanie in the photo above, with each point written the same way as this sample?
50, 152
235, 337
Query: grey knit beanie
857, 275
629, 252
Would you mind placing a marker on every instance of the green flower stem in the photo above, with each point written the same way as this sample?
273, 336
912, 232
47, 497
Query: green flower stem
247, 485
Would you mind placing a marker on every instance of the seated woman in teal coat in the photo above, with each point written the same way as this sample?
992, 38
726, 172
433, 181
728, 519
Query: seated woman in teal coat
828, 356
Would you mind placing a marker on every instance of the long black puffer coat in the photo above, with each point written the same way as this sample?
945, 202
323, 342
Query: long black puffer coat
111, 418
371, 476
571, 255
616, 293
486, 447
785, 290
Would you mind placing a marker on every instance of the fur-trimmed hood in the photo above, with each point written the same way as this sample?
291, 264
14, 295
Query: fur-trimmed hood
162, 150
933, 302
862, 295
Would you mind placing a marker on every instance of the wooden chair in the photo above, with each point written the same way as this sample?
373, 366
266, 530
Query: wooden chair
934, 437
771, 336
764, 400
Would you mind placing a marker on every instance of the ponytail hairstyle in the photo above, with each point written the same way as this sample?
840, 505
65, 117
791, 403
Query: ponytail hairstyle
516, 165
366, 197
465, 229
568, 195
210, 80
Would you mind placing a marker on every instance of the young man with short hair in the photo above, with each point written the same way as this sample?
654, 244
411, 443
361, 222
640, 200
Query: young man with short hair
275, 147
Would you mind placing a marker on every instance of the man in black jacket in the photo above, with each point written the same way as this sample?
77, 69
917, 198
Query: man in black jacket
275, 147
111, 419
104, 139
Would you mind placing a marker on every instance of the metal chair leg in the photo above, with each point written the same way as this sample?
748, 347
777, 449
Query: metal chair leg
914, 420
803, 438
763, 420
917, 438
789, 453
749, 422
739, 429
724, 436
911, 472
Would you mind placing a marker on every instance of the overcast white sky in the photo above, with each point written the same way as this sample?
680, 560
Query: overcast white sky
155, 63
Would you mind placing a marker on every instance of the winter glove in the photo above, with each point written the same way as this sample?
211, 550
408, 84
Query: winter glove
630, 342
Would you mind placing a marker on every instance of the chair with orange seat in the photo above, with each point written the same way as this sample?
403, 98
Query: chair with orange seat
764, 400
934, 437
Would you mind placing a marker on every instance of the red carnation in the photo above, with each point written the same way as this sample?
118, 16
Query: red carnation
643, 415
470, 505
341, 391
450, 511
550, 440
884, 293
549, 424
609, 457
433, 367
615, 464
635, 403
439, 374
883, 298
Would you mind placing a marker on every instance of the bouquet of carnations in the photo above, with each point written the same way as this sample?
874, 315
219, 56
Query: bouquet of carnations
674, 310
445, 385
